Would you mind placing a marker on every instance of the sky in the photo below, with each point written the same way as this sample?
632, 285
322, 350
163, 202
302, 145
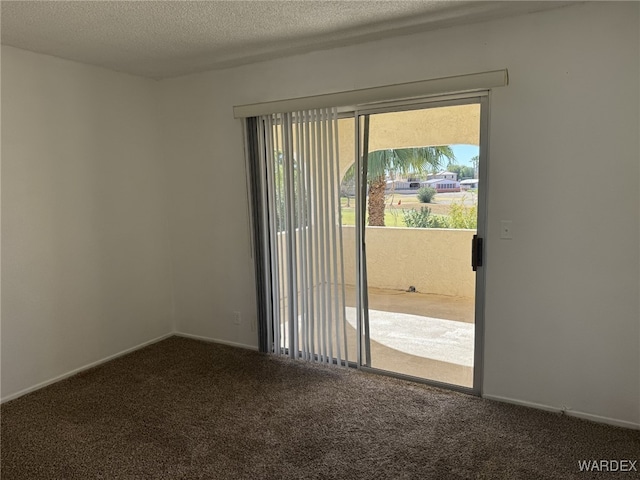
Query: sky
464, 153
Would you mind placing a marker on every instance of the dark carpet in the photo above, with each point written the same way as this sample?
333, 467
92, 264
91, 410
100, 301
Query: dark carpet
184, 409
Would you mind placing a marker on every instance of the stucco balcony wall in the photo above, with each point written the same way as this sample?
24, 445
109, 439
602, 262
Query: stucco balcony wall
436, 261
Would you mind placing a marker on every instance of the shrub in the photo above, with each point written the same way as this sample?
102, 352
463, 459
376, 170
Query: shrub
439, 221
417, 218
425, 194
424, 219
461, 216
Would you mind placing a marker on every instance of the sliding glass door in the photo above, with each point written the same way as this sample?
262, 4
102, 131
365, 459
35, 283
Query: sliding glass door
369, 228
421, 213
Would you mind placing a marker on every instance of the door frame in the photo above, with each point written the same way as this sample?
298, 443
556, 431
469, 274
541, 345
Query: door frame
363, 351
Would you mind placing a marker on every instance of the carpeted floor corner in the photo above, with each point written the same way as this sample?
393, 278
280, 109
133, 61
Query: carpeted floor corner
184, 409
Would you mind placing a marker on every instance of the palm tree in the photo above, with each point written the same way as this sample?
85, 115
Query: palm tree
403, 161
475, 161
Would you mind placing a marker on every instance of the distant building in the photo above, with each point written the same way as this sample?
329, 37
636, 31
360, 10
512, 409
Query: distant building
409, 183
441, 181
443, 175
401, 185
442, 185
468, 184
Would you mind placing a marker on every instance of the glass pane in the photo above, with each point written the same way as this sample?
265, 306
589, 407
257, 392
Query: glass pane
421, 214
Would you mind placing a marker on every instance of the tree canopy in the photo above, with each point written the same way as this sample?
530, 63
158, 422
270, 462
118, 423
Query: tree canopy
400, 161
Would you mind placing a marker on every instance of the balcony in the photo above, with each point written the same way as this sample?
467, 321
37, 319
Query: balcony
426, 333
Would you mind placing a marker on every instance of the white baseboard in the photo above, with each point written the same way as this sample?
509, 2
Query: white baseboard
84, 367
216, 340
570, 413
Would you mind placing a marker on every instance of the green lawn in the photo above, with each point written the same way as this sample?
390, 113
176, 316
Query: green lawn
391, 218
395, 206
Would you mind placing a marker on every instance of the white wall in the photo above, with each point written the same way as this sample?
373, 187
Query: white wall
85, 256
562, 312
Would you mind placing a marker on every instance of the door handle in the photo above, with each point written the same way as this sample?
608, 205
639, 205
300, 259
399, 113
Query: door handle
476, 252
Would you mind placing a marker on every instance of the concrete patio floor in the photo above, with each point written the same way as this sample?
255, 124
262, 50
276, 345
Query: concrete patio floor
395, 360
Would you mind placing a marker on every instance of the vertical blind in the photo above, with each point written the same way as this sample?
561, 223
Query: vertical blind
296, 200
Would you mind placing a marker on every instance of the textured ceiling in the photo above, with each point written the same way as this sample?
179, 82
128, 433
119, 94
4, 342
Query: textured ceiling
160, 39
